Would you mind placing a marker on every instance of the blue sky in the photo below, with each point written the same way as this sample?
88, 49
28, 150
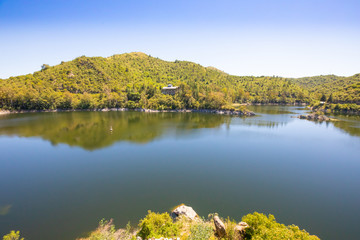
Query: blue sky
290, 38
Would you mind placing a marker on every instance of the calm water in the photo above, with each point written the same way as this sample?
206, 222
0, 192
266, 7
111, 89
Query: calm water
63, 172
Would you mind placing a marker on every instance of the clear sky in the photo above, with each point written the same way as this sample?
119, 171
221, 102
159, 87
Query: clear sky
289, 38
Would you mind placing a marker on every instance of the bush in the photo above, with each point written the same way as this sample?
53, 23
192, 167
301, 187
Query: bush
231, 234
228, 107
106, 231
264, 227
131, 105
13, 236
157, 225
200, 231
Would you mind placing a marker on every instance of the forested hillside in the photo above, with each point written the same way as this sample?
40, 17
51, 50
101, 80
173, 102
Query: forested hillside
332, 89
135, 80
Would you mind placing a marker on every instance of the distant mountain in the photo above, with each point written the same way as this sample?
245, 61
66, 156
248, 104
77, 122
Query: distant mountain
135, 80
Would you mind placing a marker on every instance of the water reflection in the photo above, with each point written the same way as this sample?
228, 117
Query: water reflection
279, 109
5, 209
275, 116
296, 169
92, 130
348, 124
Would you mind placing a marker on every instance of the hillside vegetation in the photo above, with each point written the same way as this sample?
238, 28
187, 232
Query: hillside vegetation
331, 88
135, 80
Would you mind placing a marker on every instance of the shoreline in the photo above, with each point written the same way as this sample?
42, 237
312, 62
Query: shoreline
335, 112
275, 104
214, 111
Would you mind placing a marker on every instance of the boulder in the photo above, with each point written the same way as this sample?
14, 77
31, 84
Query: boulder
240, 230
316, 117
219, 227
184, 210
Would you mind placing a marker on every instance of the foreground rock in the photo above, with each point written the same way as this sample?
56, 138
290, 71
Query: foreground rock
240, 230
316, 117
184, 210
219, 227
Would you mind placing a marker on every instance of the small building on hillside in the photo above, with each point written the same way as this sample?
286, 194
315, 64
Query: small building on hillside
170, 89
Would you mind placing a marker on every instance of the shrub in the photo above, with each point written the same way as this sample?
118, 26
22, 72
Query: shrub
230, 230
200, 231
131, 104
228, 107
106, 231
13, 236
157, 225
264, 227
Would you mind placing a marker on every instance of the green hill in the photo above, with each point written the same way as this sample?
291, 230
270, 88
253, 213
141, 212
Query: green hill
135, 80
341, 89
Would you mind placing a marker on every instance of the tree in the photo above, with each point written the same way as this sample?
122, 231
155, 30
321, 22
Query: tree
323, 98
44, 66
330, 99
13, 236
215, 100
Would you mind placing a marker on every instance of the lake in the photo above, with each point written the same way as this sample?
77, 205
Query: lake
61, 173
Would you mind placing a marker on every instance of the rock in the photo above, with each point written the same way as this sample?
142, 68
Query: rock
240, 230
316, 117
184, 210
219, 227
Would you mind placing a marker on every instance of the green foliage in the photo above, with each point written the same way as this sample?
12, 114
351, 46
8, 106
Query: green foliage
264, 227
200, 231
336, 108
106, 231
13, 236
44, 66
330, 99
338, 89
157, 225
230, 229
135, 80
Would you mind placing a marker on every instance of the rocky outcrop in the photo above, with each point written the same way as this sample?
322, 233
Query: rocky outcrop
4, 112
184, 210
240, 230
316, 117
219, 227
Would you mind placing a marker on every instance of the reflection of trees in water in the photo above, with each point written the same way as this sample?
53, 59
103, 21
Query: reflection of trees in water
265, 121
349, 124
267, 124
272, 110
92, 130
